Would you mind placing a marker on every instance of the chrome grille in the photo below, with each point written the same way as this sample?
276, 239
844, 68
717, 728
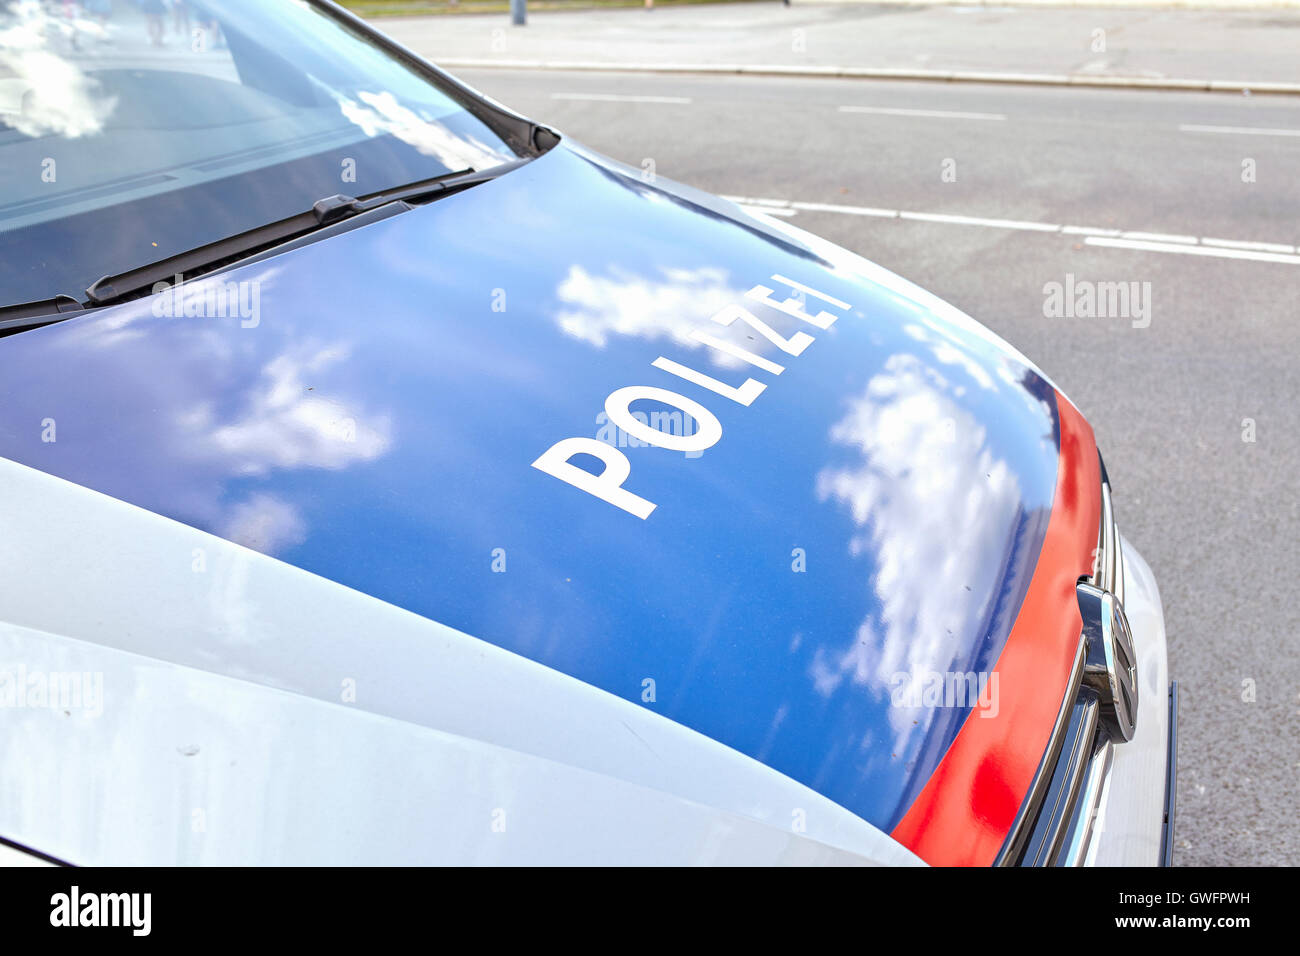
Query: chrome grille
1057, 819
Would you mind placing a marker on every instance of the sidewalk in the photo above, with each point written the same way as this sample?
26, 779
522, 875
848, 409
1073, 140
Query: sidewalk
1146, 47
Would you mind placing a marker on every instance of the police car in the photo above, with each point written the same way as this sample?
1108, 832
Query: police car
389, 479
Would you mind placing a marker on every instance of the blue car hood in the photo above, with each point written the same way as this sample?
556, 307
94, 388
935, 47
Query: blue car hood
372, 408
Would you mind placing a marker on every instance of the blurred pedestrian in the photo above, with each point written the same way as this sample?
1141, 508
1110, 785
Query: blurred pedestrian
210, 27
154, 11
181, 17
71, 13
101, 10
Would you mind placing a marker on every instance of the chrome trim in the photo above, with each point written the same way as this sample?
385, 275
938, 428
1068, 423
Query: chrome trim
1057, 820
1118, 589
1108, 562
1091, 794
1012, 847
1052, 828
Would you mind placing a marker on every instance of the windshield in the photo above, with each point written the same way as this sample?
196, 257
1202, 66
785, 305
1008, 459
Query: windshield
133, 130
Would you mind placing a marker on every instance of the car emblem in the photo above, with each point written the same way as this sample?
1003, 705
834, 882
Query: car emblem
1111, 667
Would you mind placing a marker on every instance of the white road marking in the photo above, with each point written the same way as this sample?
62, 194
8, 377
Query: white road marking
620, 98
1255, 246
1215, 251
1235, 130
936, 114
848, 210
1093, 235
1088, 231
977, 221
784, 211
1158, 237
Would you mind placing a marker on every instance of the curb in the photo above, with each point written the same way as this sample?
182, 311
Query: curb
885, 73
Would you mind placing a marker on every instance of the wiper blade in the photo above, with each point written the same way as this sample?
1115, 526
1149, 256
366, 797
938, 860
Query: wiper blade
258, 243
439, 186
31, 315
263, 239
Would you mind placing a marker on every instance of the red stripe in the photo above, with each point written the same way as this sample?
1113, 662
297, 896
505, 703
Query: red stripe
965, 812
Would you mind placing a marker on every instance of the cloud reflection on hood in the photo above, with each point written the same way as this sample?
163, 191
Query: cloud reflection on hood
283, 426
928, 492
666, 307
230, 426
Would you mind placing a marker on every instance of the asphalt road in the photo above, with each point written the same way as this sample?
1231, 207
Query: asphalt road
1216, 516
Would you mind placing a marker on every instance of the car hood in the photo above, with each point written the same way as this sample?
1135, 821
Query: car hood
370, 408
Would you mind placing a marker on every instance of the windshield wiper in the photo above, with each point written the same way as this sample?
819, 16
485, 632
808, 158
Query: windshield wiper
30, 315
256, 243
324, 212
